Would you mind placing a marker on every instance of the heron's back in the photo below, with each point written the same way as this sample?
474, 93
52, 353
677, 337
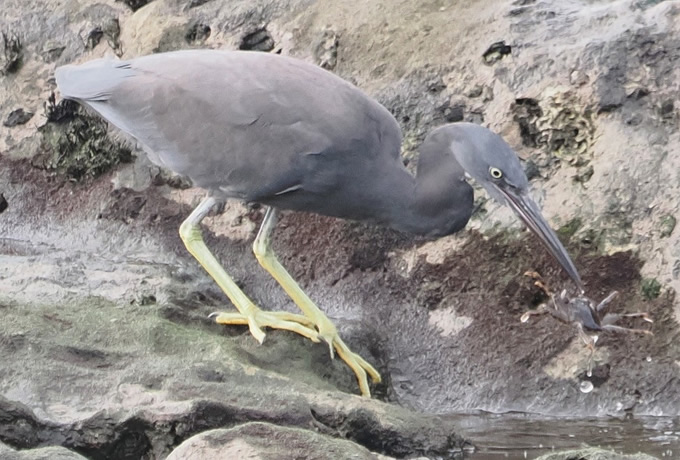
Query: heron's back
243, 124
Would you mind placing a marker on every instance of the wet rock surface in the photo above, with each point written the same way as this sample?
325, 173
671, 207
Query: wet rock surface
106, 346
44, 453
593, 454
253, 440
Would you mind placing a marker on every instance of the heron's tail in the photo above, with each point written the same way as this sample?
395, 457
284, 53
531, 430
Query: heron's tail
93, 81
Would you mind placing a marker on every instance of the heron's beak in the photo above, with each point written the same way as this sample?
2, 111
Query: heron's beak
527, 210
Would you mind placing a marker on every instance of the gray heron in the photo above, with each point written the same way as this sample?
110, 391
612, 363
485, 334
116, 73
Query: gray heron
287, 134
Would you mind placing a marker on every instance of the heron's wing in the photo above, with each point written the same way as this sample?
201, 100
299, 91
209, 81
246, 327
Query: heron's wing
272, 112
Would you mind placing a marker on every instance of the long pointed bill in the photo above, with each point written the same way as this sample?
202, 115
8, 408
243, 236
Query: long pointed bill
528, 211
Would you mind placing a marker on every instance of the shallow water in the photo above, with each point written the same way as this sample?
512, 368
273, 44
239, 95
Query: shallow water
518, 436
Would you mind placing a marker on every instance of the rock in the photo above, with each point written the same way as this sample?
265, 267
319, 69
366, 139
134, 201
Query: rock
75, 143
196, 3
651, 288
454, 113
475, 91
257, 40
134, 5
198, 33
325, 49
43, 453
525, 112
594, 453
254, 441
612, 96
531, 170
108, 28
667, 225
17, 117
11, 53
496, 52
667, 108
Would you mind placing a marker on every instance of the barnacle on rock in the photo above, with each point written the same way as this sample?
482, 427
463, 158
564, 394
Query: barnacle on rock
566, 127
558, 123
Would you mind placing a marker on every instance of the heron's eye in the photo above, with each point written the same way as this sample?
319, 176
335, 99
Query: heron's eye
495, 173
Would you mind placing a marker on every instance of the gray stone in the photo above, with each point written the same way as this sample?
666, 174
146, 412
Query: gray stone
43, 453
268, 442
17, 117
594, 454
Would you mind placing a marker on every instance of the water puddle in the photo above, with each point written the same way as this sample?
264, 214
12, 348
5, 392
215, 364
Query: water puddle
518, 436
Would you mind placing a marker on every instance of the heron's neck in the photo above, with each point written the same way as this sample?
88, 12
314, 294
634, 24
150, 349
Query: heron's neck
437, 201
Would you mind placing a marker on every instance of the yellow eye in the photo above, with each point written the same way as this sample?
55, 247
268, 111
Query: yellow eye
495, 173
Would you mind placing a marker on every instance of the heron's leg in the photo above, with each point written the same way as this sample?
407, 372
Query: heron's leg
249, 314
327, 331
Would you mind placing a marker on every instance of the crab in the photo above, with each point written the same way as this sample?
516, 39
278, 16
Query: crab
584, 313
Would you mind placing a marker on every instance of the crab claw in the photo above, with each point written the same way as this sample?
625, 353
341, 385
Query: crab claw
532, 274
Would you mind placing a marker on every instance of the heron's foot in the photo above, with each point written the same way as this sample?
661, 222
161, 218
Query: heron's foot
322, 329
362, 369
259, 319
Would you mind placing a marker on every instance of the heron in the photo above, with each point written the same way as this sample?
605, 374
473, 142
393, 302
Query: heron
289, 135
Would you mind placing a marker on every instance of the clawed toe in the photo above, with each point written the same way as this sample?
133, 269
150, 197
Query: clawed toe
302, 325
362, 369
274, 320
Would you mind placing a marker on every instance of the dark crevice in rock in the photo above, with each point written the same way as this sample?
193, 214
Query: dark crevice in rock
135, 4
13, 53
17, 117
525, 111
102, 437
257, 40
109, 29
65, 110
197, 33
93, 38
453, 113
196, 3
364, 428
496, 52
20, 428
127, 441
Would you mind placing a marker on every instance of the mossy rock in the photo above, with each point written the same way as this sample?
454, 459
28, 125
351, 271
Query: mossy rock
77, 145
651, 288
568, 230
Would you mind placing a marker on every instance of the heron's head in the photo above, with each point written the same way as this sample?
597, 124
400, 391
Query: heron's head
490, 161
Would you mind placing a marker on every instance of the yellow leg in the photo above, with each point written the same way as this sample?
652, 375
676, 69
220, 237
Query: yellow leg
327, 331
249, 313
